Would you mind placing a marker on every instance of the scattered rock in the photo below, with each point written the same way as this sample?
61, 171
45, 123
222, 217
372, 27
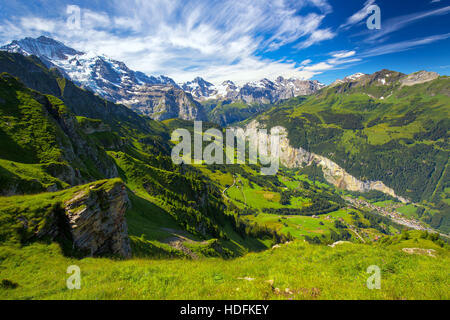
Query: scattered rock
288, 291
247, 278
337, 243
427, 252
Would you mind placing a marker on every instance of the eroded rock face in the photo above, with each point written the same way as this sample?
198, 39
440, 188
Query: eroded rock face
298, 157
419, 77
97, 220
161, 102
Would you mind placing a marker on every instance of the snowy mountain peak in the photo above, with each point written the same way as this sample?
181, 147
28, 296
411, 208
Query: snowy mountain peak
199, 88
41, 47
98, 73
351, 78
354, 76
261, 91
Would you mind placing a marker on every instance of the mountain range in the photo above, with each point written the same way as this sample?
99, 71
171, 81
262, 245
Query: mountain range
263, 91
158, 97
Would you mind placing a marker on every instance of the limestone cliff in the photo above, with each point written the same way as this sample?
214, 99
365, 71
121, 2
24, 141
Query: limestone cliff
298, 157
97, 219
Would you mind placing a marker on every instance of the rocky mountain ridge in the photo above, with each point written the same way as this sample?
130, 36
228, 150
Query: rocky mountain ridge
264, 91
158, 97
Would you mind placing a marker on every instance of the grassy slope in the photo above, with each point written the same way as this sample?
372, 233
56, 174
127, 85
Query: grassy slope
308, 271
34, 142
401, 139
41, 135
23, 217
152, 189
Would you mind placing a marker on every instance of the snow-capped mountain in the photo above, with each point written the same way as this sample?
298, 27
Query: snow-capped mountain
351, 78
263, 91
158, 97
199, 88
42, 47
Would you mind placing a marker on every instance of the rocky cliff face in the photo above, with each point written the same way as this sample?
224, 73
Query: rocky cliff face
419, 77
162, 102
97, 219
333, 173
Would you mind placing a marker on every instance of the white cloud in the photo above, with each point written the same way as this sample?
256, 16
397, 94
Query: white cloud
321, 66
401, 22
403, 46
337, 59
343, 54
218, 40
37, 24
316, 37
305, 62
92, 20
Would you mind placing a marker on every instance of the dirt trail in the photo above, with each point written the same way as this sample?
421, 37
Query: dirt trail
177, 240
224, 192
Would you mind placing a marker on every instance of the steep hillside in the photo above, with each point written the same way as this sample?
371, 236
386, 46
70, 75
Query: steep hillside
380, 127
175, 210
226, 112
42, 138
84, 220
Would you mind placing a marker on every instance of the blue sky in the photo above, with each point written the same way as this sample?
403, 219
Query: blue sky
244, 40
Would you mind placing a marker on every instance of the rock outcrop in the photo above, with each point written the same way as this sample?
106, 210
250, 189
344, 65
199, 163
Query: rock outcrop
419, 77
97, 219
298, 157
161, 102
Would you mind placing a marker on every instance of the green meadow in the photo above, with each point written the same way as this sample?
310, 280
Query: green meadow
296, 270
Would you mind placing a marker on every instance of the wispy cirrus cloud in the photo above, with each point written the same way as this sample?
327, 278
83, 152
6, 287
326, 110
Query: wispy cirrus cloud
241, 40
397, 23
403, 45
357, 16
217, 39
317, 36
336, 59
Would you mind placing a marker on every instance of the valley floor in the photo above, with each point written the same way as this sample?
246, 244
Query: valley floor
296, 270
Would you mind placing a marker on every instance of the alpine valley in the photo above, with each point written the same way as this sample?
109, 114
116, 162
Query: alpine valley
87, 179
